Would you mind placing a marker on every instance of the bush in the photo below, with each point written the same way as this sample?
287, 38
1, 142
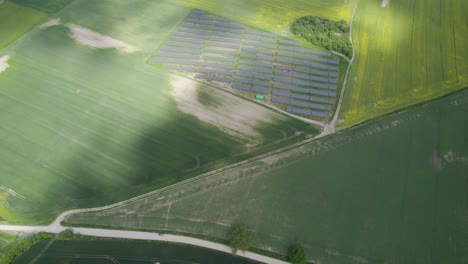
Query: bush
325, 33
240, 239
297, 256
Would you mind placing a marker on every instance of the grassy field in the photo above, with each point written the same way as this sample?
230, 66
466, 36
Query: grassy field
15, 20
83, 126
390, 191
125, 252
273, 15
408, 52
49, 6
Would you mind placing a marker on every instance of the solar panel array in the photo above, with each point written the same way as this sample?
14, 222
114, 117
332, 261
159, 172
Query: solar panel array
217, 49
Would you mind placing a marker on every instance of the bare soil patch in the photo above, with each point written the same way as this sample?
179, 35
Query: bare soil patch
94, 39
4, 63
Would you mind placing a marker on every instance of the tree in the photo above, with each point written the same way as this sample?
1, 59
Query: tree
240, 239
297, 256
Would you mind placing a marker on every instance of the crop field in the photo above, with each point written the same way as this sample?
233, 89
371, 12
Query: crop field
15, 20
390, 191
49, 6
125, 252
273, 15
85, 121
408, 52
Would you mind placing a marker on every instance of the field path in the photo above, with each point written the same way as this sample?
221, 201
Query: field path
138, 235
330, 127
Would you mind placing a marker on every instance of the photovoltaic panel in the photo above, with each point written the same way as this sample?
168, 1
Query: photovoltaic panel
183, 44
194, 31
303, 90
251, 89
309, 51
180, 68
228, 40
223, 45
200, 17
216, 65
290, 42
213, 78
198, 12
189, 25
230, 30
182, 50
259, 38
173, 61
189, 35
256, 63
253, 82
219, 58
224, 52
305, 83
176, 55
300, 103
189, 40
264, 51
253, 75
305, 76
307, 63
250, 43
265, 34
223, 24
198, 21
305, 112
306, 70
225, 34
223, 19
248, 68
211, 71
258, 57
305, 57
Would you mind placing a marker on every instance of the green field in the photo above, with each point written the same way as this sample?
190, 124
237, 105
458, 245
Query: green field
125, 252
15, 20
408, 52
6, 238
49, 6
273, 15
390, 191
86, 126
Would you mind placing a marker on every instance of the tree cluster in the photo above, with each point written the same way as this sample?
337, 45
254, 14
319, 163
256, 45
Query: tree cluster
325, 33
240, 239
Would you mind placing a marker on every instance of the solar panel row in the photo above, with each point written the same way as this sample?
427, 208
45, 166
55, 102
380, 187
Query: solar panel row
299, 103
253, 82
290, 42
253, 75
258, 57
303, 90
198, 12
259, 38
182, 50
174, 61
305, 76
180, 68
230, 30
309, 51
249, 43
176, 55
228, 40
306, 70
223, 24
225, 34
223, 19
216, 65
265, 51
198, 21
304, 97
183, 44
223, 45
256, 63
251, 89
200, 17
224, 52
213, 78
190, 25
206, 57
211, 71
194, 31
248, 68
189, 40
265, 34
305, 83
305, 57
306, 112
189, 35
306, 63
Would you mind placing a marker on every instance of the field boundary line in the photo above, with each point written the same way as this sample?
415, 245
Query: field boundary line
331, 127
